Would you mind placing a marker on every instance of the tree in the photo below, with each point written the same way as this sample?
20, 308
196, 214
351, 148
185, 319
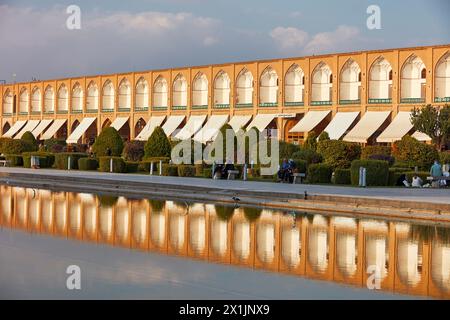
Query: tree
323, 136
311, 141
133, 150
337, 153
433, 122
414, 152
158, 145
110, 139
29, 138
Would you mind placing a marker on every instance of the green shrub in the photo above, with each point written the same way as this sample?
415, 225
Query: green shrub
310, 156
145, 165
87, 164
342, 176
157, 145
377, 172
337, 153
108, 138
300, 165
169, 170
29, 138
199, 169
414, 153
319, 173
444, 157
46, 160
133, 150
61, 160
287, 149
367, 151
311, 141
395, 173
15, 146
15, 160
323, 136
119, 165
54, 145
185, 170
421, 174
131, 166
207, 172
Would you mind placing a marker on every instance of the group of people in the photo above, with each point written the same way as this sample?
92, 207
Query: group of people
436, 172
286, 171
221, 170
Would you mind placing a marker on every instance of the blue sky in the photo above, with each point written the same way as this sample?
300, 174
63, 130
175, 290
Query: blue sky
121, 36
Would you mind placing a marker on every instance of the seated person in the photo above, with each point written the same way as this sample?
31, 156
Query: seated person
416, 182
283, 171
218, 171
401, 179
228, 166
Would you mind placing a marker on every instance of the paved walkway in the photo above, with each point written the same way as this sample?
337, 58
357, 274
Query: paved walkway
402, 194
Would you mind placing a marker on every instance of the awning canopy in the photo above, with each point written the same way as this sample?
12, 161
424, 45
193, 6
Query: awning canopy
15, 128
421, 136
29, 126
340, 124
399, 127
211, 128
56, 125
78, 132
172, 123
239, 122
366, 127
192, 126
41, 127
261, 121
119, 122
150, 127
310, 121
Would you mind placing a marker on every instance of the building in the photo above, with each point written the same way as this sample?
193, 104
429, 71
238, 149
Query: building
364, 97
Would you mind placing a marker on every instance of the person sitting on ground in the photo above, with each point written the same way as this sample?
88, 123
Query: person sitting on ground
401, 179
416, 182
283, 170
435, 171
217, 174
228, 166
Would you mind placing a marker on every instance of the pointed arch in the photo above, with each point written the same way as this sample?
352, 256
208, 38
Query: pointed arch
268, 87
23, 100
442, 79
74, 125
108, 93
200, 90
49, 99
124, 94
294, 85
160, 92
140, 124
222, 85
350, 82
63, 98
77, 98
412, 82
6, 127
141, 94
92, 97
36, 100
179, 96
380, 81
8, 102
244, 88
321, 84
106, 123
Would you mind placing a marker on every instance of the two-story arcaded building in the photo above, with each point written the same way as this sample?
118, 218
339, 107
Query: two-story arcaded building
364, 97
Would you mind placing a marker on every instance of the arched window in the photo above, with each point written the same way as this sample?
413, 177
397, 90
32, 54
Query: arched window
77, 98
8, 102
294, 86
160, 94
108, 96
321, 85
92, 97
141, 94
63, 99
268, 88
124, 95
222, 90
244, 88
36, 100
380, 81
23, 101
49, 99
179, 92
412, 84
200, 90
350, 83
442, 79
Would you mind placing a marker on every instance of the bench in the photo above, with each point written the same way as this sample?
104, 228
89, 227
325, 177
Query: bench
232, 174
5, 163
299, 176
438, 178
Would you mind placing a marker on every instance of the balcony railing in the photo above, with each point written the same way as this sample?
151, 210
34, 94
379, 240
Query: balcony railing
380, 101
91, 110
35, 113
294, 104
199, 107
159, 108
244, 105
7, 114
179, 107
23, 113
268, 104
62, 112
321, 103
221, 106
49, 112
356, 101
107, 110
445, 99
76, 111
123, 109
412, 100
138, 109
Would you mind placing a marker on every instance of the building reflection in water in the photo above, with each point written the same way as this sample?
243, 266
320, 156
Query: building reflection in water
412, 259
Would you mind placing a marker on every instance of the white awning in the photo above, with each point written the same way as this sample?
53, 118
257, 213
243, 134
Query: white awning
261, 121
421, 136
366, 127
119, 122
30, 126
192, 126
211, 128
41, 127
150, 127
340, 124
56, 125
399, 127
172, 123
238, 122
15, 128
310, 121
78, 132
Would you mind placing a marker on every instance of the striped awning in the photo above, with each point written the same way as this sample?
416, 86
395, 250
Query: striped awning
421, 136
310, 121
211, 128
239, 122
119, 122
398, 128
80, 130
261, 121
15, 128
41, 127
56, 125
366, 127
150, 127
192, 126
340, 124
29, 126
172, 123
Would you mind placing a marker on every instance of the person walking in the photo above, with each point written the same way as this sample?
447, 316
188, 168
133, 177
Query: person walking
435, 171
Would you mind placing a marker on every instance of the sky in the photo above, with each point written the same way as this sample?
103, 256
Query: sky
123, 36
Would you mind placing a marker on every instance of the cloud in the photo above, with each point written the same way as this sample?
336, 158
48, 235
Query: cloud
335, 40
289, 38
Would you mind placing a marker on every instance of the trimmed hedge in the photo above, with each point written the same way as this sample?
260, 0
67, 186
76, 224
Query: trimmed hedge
15, 160
377, 172
29, 138
108, 138
131, 166
46, 160
145, 164
157, 145
15, 146
414, 153
133, 150
300, 165
87, 164
342, 176
199, 169
169, 170
207, 172
319, 173
368, 151
119, 165
337, 153
61, 160
185, 170
395, 173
